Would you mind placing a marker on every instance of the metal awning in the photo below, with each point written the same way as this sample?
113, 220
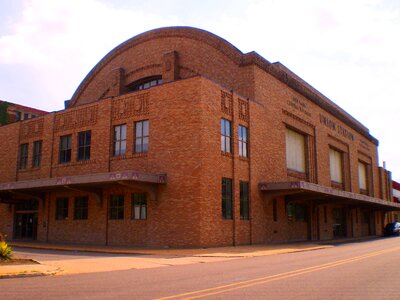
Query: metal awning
91, 183
301, 190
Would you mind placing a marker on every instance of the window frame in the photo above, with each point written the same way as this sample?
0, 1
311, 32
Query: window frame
336, 183
141, 136
121, 140
65, 155
243, 134
37, 154
366, 190
302, 160
62, 205
145, 83
84, 141
244, 200
23, 156
116, 210
226, 195
81, 212
275, 210
139, 200
226, 136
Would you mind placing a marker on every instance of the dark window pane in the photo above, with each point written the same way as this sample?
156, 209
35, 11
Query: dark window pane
119, 143
141, 136
81, 208
61, 208
116, 207
139, 206
225, 136
65, 149
244, 200
23, 156
226, 198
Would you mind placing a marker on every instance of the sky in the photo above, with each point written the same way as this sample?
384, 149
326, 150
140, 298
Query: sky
347, 50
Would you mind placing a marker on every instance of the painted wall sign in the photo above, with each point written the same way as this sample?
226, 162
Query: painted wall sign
335, 127
299, 105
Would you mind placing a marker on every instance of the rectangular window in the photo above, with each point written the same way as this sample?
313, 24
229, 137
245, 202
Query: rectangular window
18, 116
81, 208
244, 200
275, 210
242, 141
26, 116
141, 136
336, 165
37, 154
65, 149
226, 198
139, 206
362, 177
23, 156
297, 212
295, 151
61, 208
117, 207
226, 136
356, 215
119, 140
84, 141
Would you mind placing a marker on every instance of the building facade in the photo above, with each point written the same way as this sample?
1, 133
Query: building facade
176, 138
12, 112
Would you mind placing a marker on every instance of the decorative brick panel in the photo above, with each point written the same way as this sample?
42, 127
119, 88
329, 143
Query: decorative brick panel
243, 110
75, 119
32, 129
135, 105
226, 103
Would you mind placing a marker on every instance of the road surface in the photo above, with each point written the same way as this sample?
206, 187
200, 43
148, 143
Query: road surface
364, 270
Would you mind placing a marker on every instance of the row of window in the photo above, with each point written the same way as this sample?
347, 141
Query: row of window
296, 160
226, 138
116, 207
84, 140
227, 209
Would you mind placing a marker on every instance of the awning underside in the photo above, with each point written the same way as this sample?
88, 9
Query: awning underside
306, 191
91, 183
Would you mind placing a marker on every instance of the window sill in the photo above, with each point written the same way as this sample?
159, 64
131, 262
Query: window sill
227, 154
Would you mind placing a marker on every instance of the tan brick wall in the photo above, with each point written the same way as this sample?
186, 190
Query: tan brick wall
184, 117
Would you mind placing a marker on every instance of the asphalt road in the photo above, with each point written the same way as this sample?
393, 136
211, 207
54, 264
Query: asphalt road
364, 270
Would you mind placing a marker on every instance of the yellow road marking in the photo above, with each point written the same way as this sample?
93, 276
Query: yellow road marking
270, 278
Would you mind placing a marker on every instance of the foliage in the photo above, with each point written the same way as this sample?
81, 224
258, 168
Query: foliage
3, 112
5, 251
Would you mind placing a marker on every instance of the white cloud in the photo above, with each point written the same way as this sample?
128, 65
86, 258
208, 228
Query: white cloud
63, 40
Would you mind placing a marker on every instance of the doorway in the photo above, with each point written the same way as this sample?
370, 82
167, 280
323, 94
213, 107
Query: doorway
26, 220
339, 222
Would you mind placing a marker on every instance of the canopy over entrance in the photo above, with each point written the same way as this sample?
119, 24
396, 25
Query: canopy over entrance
12, 192
301, 190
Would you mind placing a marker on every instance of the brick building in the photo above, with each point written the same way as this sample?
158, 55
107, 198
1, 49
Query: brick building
177, 138
12, 112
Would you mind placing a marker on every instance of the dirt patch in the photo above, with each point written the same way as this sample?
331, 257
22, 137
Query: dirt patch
18, 261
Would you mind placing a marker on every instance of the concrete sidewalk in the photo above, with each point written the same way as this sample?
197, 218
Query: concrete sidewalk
126, 258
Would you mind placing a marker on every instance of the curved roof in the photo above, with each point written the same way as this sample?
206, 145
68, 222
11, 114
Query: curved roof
275, 69
180, 31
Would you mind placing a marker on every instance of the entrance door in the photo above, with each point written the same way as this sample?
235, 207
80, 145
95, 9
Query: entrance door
339, 223
25, 220
25, 226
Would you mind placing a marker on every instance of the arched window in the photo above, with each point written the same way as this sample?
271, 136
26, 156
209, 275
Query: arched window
145, 83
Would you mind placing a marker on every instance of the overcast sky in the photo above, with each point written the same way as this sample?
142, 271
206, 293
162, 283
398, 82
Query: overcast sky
349, 50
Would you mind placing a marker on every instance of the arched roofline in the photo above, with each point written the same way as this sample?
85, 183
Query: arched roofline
252, 58
204, 36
